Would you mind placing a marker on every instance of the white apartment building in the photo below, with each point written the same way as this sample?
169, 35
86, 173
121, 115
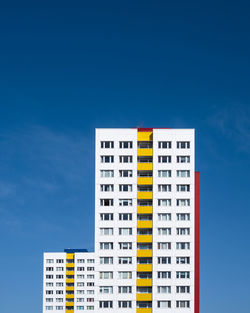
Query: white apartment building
146, 224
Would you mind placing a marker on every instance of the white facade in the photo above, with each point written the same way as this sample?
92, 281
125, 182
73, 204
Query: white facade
144, 222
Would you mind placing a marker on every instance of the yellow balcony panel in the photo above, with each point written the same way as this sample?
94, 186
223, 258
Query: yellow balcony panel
144, 253
144, 136
70, 256
144, 224
69, 297
70, 264
145, 152
69, 310
70, 280
69, 304
144, 180
70, 272
144, 310
69, 288
145, 195
144, 238
144, 282
144, 209
145, 166
144, 297
144, 267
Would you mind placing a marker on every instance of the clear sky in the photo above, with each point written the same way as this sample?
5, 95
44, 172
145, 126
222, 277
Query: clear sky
67, 67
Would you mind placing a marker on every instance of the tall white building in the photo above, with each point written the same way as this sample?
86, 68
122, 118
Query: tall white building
146, 224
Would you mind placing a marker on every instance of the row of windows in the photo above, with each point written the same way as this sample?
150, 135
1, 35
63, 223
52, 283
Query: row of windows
129, 159
50, 308
129, 188
60, 269
127, 231
89, 284
129, 173
143, 144
145, 275
145, 304
77, 299
128, 289
161, 216
129, 202
144, 246
160, 260
62, 261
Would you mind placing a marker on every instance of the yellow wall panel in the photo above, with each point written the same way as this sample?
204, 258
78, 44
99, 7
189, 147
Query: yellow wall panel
144, 282
144, 136
144, 152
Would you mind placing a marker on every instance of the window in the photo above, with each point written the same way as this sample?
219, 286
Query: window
144, 289
125, 304
183, 159
107, 159
144, 231
183, 274
125, 231
183, 144
125, 187
164, 145
144, 246
144, 173
59, 299
105, 304
164, 231
49, 284
144, 275
106, 216
107, 144
59, 269
90, 268
182, 289
183, 188
107, 188
125, 202
79, 307
125, 216
49, 261
164, 275
106, 202
182, 260
164, 216
59, 276
80, 261
183, 173
183, 216
144, 260
90, 292
49, 276
106, 231
59, 292
124, 289
49, 292
183, 304
91, 261
182, 231
106, 260
164, 245
183, 202
126, 144
80, 269
164, 202
80, 284
49, 299
107, 173
90, 284
90, 276
59, 261
144, 304
144, 217
182, 245
105, 289
125, 275
164, 260
164, 158
126, 159
80, 292
163, 304
164, 188
165, 173
80, 276
80, 300
125, 245
126, 173
125, 260
164, 289
49, 269
106, 245
48, 308
106, 275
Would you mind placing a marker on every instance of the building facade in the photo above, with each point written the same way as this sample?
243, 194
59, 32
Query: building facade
146, 225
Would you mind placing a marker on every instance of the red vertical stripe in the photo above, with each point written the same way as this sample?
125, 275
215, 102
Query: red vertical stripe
197, 245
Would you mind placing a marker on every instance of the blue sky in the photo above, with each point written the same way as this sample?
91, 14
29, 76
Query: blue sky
68, 67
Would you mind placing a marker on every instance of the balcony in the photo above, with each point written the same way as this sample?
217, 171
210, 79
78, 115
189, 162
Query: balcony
144, 209
144, 282
70, 280
143, 297
70, 297
69, 288
145, 136
144, 195
144, 180
144, 267
144, 310
144, 166
144, 152
144, 253
144, 238
70, 265
144, 224
70, 256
